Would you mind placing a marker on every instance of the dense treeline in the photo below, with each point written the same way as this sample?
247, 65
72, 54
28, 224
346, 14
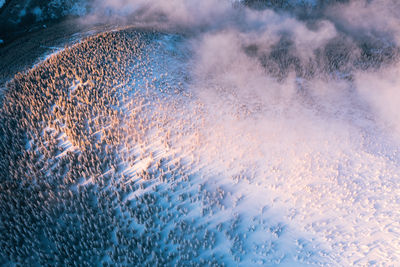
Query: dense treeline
48, 217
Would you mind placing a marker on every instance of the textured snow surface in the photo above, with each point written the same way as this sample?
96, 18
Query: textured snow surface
260, 141
323, 178
238, 168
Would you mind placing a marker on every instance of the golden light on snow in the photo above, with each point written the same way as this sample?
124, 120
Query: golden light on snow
255, 141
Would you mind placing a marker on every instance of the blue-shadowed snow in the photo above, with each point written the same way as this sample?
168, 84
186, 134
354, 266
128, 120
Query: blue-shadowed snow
253, 138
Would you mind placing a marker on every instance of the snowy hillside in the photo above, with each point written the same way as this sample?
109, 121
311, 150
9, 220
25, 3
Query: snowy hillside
244, 138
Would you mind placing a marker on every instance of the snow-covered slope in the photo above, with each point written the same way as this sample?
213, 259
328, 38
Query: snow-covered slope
259, 141
142, 159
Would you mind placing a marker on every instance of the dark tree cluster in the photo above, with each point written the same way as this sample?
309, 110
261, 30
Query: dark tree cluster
47, 218
62, 130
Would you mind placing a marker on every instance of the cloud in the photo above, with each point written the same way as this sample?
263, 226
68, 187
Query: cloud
328, 64
163, 14
376, 19
381, 90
